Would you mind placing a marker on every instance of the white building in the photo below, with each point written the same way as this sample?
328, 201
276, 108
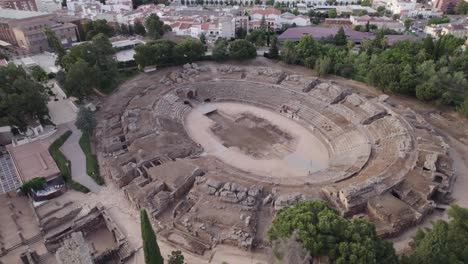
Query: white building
421, 11
289, 19
397, 6
380, 22
311, 3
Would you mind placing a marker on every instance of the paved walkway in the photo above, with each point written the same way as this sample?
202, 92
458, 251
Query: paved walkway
72, 150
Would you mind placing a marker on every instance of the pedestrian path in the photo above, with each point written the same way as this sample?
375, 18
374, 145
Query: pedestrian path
72, 150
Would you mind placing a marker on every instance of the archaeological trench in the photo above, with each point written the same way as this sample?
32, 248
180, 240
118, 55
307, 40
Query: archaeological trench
211, 151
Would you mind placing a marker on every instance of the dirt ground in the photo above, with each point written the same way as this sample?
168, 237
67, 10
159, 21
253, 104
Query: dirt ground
446, 121
297, 159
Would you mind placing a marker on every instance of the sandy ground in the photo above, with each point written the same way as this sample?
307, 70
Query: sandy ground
127, 218
309, 154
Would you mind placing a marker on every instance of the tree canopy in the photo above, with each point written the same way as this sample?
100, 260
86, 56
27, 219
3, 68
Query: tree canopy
55, 45
159, 52
430, 70
189, 50
445, 242
85, 120
326, 234
220, 50
176, 257
22, 99
94, 27
150, 245
97, 60
242, 49
154, 26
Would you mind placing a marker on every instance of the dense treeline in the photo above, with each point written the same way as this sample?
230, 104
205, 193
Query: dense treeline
326, 234
331, 238
430, 70
168, 53
90, 65
445, 242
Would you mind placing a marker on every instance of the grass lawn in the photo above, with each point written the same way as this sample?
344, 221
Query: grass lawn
92, 165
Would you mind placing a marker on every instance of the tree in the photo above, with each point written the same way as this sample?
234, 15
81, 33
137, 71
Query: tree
340, 37
94, 27
461, 8
332, 13
159, 52
35, 184
54, 44
39, 74
240, 33
463, 108
408, 22
81, 79
438, 20
189, 50
23, 99
323, 232
203, 38
323, 66
99, 55
242, 49
85, 120
257, 37
273, 51
176, 257
445, 242
408, 81
289, 53
150, 244
154, 26
139, 28
220, 50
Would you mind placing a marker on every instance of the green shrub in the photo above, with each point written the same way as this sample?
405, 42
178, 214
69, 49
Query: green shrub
92, 165
60, 159
78, 187
35, 184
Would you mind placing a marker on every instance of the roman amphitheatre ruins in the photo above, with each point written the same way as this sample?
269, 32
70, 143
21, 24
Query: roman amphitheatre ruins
211, 151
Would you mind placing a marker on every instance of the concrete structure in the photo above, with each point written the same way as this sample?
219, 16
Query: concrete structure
212, 150
24, 29
29, 5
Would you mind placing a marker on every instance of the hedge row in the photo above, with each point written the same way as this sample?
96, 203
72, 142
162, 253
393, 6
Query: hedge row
63, 164
92, 165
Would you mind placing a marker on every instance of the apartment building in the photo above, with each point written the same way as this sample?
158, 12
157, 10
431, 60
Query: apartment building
24, 29
29, 5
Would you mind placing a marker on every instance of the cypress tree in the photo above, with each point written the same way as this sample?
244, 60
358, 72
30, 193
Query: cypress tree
150, 245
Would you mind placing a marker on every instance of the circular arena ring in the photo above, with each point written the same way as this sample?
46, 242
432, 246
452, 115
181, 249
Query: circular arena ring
216, 143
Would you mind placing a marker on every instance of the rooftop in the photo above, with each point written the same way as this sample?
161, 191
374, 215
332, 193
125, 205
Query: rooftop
296, 33
20, 14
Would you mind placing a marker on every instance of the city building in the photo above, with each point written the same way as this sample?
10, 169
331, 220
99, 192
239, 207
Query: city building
354, 10
29, 5
447, 6
24, 29
380, 22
